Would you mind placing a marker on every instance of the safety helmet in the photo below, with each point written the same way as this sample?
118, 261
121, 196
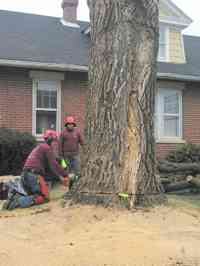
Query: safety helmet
50, 134
69, 120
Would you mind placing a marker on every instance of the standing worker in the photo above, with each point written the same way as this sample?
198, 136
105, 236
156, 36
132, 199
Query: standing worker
70, 140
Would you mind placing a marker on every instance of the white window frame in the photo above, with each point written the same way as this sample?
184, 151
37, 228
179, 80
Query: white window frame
166, 34
159, 116
35, 109
183, 48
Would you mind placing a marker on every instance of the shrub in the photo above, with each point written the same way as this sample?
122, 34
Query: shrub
14, 149
187, 153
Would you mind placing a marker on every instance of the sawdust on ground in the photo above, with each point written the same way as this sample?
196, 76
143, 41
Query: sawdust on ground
94, 236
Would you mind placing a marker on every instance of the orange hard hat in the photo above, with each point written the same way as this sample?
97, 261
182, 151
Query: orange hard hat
50, 133
70, 120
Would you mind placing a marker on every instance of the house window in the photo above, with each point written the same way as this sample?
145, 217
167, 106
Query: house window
46, 105
163, 43
168, 114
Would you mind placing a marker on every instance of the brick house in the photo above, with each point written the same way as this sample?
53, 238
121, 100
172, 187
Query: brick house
44, 65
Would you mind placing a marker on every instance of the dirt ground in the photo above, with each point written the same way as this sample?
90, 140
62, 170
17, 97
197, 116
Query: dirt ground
51, 235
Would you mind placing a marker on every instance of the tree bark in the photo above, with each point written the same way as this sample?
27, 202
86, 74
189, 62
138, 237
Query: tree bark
120, 147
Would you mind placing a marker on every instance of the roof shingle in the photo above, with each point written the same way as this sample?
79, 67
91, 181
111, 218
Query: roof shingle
44, 39
41, 39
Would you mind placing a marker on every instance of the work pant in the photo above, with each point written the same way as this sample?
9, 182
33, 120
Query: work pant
18, 196
37, 188
74, 163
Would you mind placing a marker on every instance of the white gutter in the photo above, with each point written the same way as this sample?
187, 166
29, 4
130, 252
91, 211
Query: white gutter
173, 76
40, 65
79, 68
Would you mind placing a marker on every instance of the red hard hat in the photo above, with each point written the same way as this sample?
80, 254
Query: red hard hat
49, 133
69, 120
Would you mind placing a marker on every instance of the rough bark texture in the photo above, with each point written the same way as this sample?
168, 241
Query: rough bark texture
119, 154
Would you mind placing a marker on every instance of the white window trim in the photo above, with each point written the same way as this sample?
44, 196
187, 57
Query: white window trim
165, 139
183, 48
166, 59
34, 107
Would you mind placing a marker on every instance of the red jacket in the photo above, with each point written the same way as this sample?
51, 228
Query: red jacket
69, 142
42, 160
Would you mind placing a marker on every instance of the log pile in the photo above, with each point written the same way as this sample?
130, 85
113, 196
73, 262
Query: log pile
179, 176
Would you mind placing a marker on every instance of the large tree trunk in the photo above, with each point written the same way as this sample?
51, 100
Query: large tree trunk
120, 149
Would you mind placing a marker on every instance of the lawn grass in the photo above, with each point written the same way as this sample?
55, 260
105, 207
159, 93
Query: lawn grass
190, 201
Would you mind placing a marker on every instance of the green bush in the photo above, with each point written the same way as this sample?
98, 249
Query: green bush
14, 149
187, 153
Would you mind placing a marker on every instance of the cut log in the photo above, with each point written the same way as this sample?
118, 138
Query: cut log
195, 182
177, 186
184, 168
165, 181
171, 178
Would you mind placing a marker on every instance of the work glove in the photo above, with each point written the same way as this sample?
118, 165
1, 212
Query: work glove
39, 200
63, 163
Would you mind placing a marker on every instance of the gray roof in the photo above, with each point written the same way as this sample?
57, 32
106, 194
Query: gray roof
44, 39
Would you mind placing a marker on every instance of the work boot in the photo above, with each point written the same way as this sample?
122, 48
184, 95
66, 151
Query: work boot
11, 203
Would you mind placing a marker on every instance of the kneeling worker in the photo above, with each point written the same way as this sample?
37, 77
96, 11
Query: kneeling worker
32, 188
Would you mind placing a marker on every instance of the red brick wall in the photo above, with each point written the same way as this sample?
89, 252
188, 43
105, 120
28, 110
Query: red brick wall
162, 149
74, 91
191, 119
15, 99
191, 113
16, 104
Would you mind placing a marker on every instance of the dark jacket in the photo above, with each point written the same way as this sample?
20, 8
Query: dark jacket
69, 142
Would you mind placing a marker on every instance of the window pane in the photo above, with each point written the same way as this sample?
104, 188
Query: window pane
171, 102
156, 126
171, 126
46, 99
162, 51
168, 115
162, 43
162, 31
45, 120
